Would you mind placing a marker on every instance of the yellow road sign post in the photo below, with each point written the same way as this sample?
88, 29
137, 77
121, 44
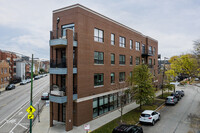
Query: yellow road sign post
30, 116
30, 109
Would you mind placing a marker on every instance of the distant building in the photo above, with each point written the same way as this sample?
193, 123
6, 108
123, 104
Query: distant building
21, 67
4, 74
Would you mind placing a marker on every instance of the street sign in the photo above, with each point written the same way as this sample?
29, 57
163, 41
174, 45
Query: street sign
87, 127
30, 116
30, 109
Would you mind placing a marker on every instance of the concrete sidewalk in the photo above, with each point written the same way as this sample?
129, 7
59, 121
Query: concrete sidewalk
59, 127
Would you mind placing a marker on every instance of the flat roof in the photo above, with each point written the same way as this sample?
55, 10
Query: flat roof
100, 15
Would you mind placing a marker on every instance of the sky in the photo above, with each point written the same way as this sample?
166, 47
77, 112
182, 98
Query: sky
25, 24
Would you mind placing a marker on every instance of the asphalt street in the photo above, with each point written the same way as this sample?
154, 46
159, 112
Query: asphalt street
174, 119
13, 105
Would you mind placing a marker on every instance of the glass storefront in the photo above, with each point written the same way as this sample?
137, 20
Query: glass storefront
108, 103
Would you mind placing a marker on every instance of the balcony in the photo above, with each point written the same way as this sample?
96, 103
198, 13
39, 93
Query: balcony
148, 53
57, 94
58, 66
57, 39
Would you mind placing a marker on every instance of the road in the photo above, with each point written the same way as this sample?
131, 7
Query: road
13, 105
174, 119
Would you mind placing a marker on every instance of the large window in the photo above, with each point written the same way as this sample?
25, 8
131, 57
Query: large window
131, 44
113, 39
98, 57
68, 26
112, 58
122, 41
122, 59
111, 101
150, 61
137, 46
95, 107
112, 76
137, 60
121, 76
150, 50
131, 60
98, 79
154, 51
98, 35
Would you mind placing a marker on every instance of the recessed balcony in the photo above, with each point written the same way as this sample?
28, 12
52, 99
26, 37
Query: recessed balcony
148, 53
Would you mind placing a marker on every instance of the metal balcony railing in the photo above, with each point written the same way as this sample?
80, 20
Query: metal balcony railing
58, 63
58, 34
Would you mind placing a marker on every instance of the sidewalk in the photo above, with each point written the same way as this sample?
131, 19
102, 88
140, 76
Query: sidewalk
59, 127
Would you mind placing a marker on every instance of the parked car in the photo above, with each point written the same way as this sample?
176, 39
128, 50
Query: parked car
23, 82
149, 116
196, 79
10, 87
28, 80
181, 93
36, 77
45, 96
171, 100
177, 95
128, 129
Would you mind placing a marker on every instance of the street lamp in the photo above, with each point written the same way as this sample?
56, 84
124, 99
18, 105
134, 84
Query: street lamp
163, 75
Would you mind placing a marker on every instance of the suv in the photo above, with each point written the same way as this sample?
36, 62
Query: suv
171, 100
10, 87
181, 93
127, 129
149, 116
177, 95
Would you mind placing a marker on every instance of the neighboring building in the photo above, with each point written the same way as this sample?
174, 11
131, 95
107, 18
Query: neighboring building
21, 69
4, 74
45, 65
91, 58
10, 57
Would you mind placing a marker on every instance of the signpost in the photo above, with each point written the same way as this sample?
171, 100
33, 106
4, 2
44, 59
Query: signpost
87, 127
30, 110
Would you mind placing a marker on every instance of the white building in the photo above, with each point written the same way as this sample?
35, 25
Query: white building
20, 70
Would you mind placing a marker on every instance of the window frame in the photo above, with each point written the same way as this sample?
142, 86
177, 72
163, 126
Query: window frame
98, 61
131, 44
123, 61
112, 42
112, 80
137, 62
131, 60
122, 79
137, 46
99, 82
98, 38
111, 61
122, 41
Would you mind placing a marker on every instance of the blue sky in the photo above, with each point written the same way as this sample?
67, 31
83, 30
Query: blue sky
25, 24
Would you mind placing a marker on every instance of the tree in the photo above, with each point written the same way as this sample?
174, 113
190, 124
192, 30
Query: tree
184, 64
142, 85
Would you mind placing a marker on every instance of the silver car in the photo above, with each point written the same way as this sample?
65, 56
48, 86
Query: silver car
171, 100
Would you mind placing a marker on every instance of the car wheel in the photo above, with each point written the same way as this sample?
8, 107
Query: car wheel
153, 122
159, 117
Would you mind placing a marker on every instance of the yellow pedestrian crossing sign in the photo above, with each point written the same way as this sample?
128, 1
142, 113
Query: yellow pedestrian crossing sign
30, 109
31, 116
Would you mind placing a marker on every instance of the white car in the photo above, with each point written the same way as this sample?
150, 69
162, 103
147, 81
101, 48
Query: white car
149, 116
23, 82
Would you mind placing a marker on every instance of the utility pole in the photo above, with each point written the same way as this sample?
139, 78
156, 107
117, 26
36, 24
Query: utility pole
31, 100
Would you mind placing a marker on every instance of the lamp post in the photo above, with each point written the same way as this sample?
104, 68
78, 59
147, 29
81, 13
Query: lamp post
163, 75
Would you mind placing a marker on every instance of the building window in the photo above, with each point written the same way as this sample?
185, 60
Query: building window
1, 70
150, 50
154, 61
154, 51
122, 59
5, 79
100, 105
131, 73
112, 75
143, 61
98, 35
137, 60
98, 79
112, 58
131, 44
143, 49
68, 26
111, 101
150, 61
122, 41
98, 57
121, 76
131, 60
137, 46
105, 106
95, 107
5, 70
1, 80
113, 39
14, 70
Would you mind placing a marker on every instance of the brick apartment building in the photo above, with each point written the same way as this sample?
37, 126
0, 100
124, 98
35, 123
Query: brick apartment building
4, 74
11, 58
91, 58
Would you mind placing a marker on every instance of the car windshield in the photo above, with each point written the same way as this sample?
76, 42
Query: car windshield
145, 115
45, 94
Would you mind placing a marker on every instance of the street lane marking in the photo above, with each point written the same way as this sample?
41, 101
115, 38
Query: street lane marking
23, 126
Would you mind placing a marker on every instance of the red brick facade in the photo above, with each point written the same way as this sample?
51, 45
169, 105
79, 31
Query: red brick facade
4, 74
85, 21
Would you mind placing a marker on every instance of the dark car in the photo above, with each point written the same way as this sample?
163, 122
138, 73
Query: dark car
127, 129
10, 87
171, 100
181, 93
177, 95
45, 96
